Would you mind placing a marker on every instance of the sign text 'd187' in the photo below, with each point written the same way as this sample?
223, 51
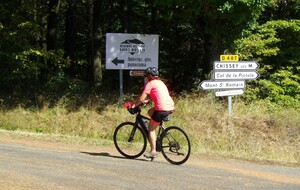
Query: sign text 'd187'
131, 51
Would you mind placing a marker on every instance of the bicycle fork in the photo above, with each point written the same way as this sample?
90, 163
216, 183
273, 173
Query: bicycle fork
132, 133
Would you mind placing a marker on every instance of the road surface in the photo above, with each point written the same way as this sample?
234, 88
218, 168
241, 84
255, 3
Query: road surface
37, 164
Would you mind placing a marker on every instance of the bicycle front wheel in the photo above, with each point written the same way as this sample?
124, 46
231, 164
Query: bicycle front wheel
130, 140
176, 145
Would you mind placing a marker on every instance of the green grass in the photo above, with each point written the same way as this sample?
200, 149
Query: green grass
258, 131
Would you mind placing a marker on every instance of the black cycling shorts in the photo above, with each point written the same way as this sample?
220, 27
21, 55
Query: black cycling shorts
158, 116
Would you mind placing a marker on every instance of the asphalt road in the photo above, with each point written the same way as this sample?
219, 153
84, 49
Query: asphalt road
36, 164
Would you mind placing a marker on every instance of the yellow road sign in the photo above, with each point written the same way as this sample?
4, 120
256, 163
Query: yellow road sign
229, 58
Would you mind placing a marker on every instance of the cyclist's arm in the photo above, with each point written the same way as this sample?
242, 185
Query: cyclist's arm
141, 100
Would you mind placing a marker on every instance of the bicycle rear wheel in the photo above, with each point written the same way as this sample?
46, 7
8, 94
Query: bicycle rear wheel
130, 140
176, 145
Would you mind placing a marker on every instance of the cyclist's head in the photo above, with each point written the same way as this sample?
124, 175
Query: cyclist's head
151, 72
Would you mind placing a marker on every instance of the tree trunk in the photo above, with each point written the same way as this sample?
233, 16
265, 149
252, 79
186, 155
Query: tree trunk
52, 25
125, 16
97, 39
51, 37
154, 15
70, 36
90, 52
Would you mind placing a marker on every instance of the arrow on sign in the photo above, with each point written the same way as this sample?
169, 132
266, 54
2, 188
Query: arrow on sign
218, 85
117, 61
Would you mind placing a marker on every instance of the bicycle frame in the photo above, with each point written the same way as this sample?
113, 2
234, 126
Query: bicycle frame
139, 121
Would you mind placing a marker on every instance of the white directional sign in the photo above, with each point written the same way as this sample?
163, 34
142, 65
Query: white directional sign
229, 93
217, 85
236, 75
131, 51
230, 73
238, 65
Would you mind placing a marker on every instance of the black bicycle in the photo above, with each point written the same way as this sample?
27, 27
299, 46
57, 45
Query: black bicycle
130, 139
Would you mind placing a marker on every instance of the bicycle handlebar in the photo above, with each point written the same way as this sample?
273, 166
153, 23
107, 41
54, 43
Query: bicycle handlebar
134, 110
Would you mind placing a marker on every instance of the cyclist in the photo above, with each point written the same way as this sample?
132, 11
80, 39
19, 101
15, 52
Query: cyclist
163, 105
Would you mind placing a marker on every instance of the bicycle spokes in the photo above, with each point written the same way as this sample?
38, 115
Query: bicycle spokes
131, 137
175, 145
130, 140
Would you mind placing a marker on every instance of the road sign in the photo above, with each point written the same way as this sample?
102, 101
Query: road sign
229, 58
240, 65
229, 92
131, 51
137, 73
236, 75
230, 73
218, 85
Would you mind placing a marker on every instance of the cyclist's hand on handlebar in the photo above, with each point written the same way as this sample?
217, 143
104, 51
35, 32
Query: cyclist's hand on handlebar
139, 103
144, 102
131, 107
128, 104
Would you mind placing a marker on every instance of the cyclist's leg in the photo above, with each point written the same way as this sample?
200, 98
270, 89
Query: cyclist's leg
152, 135
150, 111
156, 118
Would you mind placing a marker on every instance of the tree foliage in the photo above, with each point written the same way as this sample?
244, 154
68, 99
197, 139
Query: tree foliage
275, 45
59, 45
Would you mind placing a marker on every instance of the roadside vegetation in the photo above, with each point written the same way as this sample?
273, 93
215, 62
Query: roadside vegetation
257, 131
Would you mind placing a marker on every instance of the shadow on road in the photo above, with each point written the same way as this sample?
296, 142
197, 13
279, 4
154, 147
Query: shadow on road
105, 154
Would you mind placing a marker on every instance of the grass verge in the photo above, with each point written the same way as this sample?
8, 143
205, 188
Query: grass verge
258, 131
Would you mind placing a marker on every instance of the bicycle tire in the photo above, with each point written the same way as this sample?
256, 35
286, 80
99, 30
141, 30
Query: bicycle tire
130, 148
176, 145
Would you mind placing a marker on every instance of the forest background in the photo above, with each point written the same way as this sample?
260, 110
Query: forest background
52, 54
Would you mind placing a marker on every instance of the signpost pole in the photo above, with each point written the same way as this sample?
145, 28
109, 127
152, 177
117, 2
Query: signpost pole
121, 85
230, 106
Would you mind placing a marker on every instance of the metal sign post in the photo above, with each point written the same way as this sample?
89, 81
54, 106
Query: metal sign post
229, 106
121, 84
